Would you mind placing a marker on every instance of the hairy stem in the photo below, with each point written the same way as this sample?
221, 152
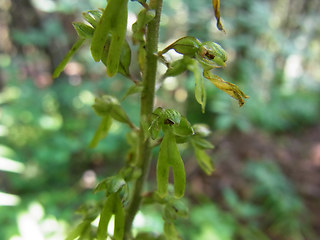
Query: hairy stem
146, 103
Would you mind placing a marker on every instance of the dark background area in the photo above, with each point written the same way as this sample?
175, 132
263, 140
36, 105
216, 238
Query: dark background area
267, 154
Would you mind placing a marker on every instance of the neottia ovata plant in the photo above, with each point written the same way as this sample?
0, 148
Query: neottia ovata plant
106, 30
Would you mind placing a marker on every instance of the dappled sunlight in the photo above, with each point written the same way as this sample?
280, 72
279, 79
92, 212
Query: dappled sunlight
209, 232
45, 5
148, 220
86, 97
9, 199
293, 70
89, 179
171, 83
181, 95
10, 165
95, 223
9, 94
5, 60
33, 224
50, 122
74, 68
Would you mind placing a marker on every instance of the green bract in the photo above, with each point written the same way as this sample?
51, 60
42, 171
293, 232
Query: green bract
109, 109
102, 131
84, 32
138, 28
187, 46
111, 185
178, 67
209, 55
67, 58
92, 17
199, 90
199, 145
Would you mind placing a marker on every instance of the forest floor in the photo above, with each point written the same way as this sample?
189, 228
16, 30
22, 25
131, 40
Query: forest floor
297, 154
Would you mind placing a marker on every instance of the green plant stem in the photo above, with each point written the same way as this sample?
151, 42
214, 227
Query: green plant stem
146, 103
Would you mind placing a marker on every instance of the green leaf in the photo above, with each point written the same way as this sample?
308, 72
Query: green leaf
181, 140
117, 113
105, 216
79, 230
103, 105
143, 18
154, 128
187, 46
170, 231
137, 88
132, 140
142, 54
102, 131
110, 106
202, 143
178, 67
199, 90
88, 211
169, 156
203, 159
67, 58
110, 185
184, 129
146, 17
83, 30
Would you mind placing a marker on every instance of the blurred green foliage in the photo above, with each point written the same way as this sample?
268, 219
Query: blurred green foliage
47, 126
271, 204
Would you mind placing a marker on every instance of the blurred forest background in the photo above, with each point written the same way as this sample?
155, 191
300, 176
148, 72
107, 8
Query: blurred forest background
267, 153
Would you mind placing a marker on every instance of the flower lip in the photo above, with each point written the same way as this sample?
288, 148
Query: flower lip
211, 55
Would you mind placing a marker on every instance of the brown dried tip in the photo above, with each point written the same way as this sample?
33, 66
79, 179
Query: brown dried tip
216, 7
